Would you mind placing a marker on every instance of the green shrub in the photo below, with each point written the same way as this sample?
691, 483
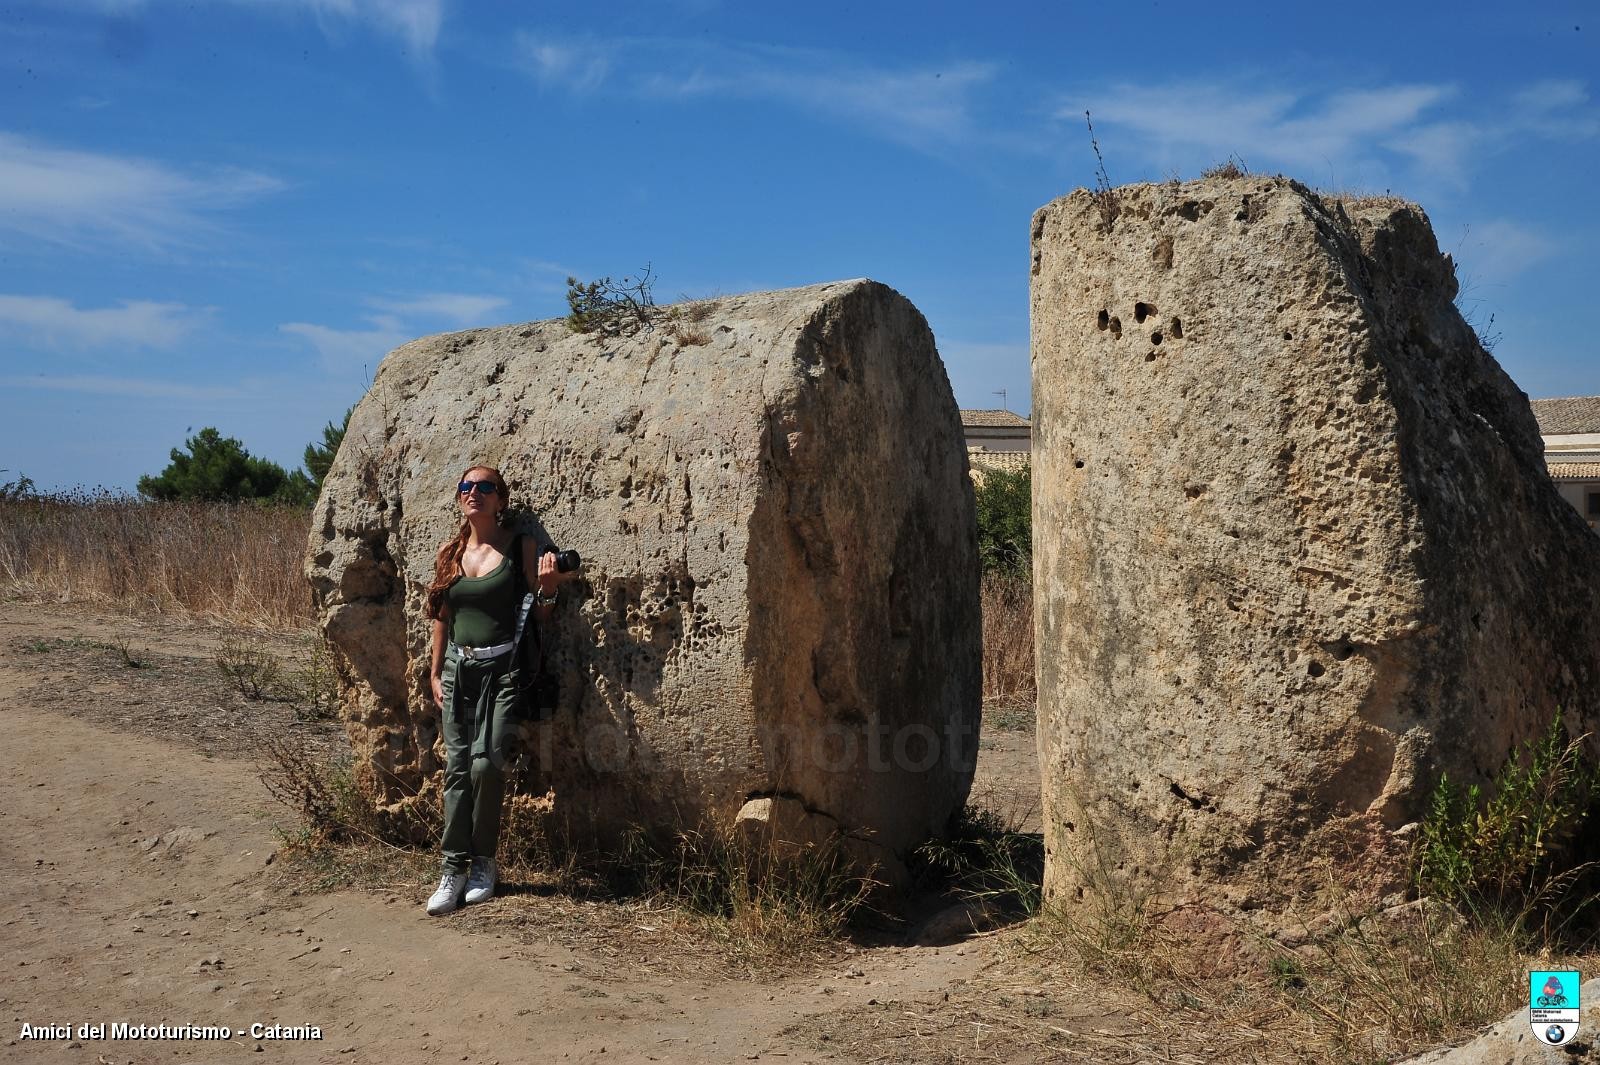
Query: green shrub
1515, 848
1005, 523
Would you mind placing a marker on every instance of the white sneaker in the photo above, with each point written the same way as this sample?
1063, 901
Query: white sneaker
480, 884
448, 895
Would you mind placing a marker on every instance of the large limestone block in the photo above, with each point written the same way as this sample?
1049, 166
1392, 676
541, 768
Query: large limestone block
779, 593
1296, 551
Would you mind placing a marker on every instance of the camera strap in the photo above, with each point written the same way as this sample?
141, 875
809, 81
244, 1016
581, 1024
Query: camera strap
526, 607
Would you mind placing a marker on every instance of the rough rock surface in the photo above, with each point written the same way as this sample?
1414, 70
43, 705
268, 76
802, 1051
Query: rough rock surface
1296, 552
779, 593
1511, 1041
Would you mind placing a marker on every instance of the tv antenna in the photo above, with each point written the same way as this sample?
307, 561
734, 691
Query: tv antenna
1002, 394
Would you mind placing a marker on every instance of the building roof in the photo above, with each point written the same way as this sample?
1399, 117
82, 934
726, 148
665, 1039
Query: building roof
1575, 471
1571, 414
990, 418
981, 460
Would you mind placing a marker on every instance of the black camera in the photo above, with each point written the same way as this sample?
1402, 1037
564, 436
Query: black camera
567, 561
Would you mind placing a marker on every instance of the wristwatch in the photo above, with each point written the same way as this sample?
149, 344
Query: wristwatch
544, 600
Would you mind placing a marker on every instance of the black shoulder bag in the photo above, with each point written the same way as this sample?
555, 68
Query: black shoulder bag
537, 690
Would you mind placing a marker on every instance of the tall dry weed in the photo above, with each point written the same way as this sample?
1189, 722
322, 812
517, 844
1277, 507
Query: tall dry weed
236, 563
1007, 605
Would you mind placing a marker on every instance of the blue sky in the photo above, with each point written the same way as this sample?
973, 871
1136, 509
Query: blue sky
224, 212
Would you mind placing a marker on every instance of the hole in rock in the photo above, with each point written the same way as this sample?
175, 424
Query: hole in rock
1116, 327
1103, 319
1141, 311
1078, 465
1176, 329
1288, 335
1315, 669
1155, 338
1150, 357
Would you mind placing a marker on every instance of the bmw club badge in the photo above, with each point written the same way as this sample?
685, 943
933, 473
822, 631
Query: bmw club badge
1553, 1005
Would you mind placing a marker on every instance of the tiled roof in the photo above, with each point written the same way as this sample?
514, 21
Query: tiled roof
1571, 414
1574, 471
980, 461
971, 418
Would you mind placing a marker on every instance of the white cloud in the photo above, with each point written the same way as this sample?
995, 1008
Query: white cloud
78, 198
56, 323
1333, 134
1493, 252
1559, 109
460, 307
143, 388
344, 348
1552, 95
366, 346
539, 275
920, 108
1204, 123
577, 66
929, 108
415, 22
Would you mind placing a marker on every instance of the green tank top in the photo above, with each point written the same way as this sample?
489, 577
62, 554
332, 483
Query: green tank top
483, 610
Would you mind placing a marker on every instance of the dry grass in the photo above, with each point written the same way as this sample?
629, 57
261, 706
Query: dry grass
1366, 983
1007, 605
1232, 167
237, 563
697, 893
1379, 986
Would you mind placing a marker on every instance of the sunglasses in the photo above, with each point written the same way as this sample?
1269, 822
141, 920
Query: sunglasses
485, 488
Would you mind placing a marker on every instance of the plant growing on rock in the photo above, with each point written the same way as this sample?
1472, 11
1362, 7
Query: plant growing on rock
612, 308
1106, 201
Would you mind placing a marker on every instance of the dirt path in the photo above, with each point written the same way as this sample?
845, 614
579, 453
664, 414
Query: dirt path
137, 891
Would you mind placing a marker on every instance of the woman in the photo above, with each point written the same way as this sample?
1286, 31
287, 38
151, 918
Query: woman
474, 602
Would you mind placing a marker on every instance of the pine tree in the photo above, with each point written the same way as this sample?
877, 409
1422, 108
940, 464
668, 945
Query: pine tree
319, 457
217, 468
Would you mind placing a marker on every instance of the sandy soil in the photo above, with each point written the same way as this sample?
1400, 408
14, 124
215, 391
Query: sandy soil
137, 849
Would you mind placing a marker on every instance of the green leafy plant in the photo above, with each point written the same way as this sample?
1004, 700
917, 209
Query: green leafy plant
1513, 847
316, 684
1004, 503
612, 308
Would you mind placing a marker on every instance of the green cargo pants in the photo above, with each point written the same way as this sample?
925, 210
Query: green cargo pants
480, 720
